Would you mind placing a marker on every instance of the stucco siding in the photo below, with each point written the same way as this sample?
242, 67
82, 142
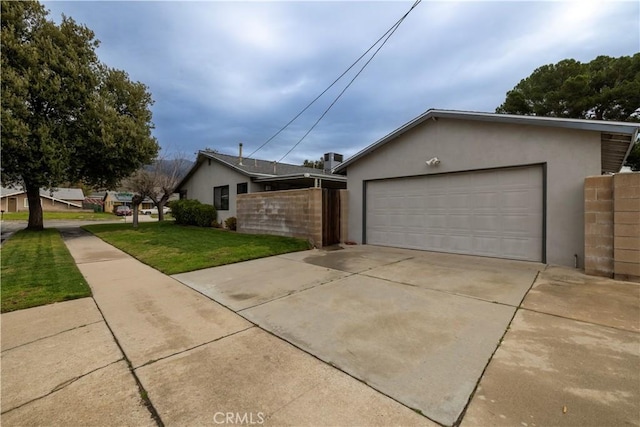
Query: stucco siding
569, 155
211, 174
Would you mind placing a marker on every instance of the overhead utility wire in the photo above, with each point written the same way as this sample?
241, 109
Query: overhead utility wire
392, 28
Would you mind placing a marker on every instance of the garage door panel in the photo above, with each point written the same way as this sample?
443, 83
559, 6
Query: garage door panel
494, 213
460, 223
518, 225
517, 199
460, 243
486, 223
486, 245
485, 200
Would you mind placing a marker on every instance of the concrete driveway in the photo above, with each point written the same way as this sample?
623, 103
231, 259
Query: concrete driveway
427, 331
417, 326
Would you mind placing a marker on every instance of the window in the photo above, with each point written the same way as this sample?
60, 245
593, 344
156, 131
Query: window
221, 198
183, 194
243, 188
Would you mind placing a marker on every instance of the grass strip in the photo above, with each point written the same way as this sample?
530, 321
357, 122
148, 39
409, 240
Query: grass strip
85, 216
37, 269
174, 249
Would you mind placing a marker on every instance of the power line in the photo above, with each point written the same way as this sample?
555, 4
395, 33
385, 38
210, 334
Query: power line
391, 29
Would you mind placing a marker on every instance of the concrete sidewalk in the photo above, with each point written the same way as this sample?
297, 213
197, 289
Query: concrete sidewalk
62, 366
197, 362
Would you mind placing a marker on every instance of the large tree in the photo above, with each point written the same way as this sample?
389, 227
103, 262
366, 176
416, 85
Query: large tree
604, 89
314, 164
65, 115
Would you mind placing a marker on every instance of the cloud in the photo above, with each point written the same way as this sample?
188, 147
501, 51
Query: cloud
229, 72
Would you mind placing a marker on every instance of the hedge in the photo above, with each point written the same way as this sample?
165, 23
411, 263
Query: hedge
192, 212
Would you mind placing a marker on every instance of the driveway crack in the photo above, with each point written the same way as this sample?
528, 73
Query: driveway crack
475, 388
296, 291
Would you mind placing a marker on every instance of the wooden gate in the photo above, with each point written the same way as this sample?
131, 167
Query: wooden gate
330, 217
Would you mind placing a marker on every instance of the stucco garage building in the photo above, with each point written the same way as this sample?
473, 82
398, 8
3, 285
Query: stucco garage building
484, 184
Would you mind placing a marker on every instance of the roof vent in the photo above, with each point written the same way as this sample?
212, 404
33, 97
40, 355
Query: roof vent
331, 160
240, 155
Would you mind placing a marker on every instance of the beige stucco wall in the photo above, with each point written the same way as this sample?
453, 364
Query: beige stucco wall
294, 213
461, 145
212, 174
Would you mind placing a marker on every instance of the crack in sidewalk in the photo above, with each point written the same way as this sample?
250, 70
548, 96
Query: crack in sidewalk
52, 335
152, 361
64, 385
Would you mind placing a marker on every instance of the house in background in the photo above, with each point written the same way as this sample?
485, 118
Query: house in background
217, 179
113, 199
95, 201
494, 185
60, 199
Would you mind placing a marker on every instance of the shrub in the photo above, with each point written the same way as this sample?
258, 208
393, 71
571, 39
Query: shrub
192, 212
204, 215
231, 223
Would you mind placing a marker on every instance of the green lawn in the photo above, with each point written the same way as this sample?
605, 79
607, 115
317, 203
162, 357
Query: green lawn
87, 216
37, 269
173, 248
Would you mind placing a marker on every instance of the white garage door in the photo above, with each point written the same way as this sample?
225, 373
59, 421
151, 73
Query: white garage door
496, 213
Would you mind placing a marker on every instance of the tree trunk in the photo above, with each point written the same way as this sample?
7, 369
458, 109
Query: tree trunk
35, 208
135, 216
160, 204
135, 203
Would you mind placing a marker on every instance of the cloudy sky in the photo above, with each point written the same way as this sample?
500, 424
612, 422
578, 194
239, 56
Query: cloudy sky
228, 72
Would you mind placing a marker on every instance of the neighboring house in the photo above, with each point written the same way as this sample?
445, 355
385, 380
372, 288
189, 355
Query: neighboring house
113, 199
95, 201
60, 199
485, 184
217, 179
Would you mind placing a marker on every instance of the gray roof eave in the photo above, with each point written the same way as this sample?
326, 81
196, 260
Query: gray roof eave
335, 178
202, 155
235, 167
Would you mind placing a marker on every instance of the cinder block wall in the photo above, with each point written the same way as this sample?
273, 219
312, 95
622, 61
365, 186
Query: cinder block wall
626, 226
294, 213
612, 226
598, 223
